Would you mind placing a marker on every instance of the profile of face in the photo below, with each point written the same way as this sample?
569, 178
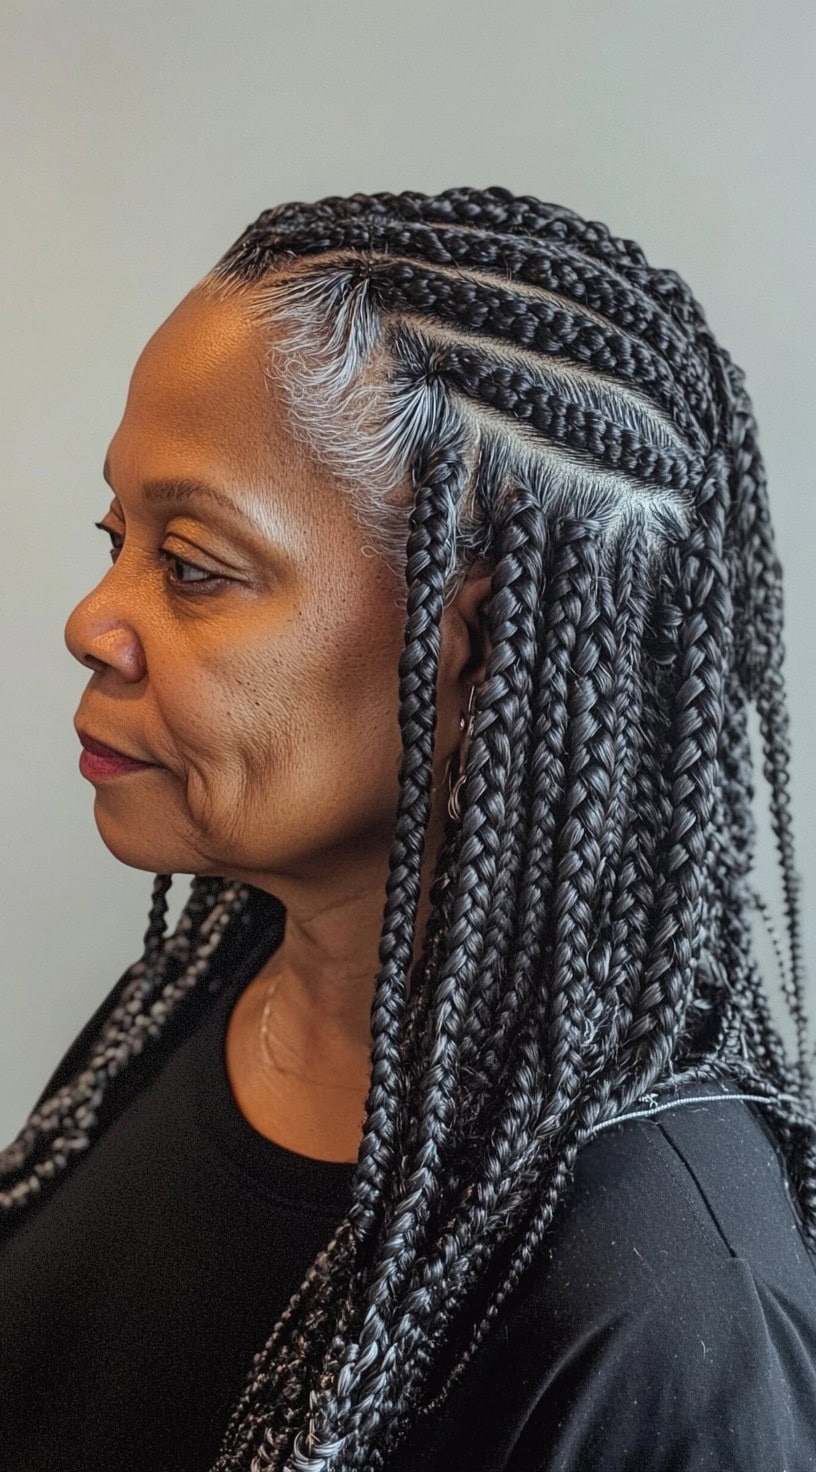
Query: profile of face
245, 643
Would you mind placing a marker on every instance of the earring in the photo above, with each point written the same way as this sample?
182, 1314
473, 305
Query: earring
454, 807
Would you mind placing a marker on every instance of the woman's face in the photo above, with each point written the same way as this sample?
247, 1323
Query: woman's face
259, 675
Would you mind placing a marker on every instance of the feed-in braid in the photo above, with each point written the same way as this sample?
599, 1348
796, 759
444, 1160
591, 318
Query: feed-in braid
675, 934
495, 380
514, 624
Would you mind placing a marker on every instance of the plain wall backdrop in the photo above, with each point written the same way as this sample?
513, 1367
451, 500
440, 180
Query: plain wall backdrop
139, 141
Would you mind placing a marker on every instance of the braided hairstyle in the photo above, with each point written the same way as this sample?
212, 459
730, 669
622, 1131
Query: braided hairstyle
493, 377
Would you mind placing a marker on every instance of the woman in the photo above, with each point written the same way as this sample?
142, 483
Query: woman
449, 1128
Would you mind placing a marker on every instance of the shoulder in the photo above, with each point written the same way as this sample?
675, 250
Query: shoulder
675, 1305
667, 1319
659, 1214
693, 1186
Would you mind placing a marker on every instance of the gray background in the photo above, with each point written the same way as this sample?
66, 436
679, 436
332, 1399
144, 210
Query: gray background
141, 138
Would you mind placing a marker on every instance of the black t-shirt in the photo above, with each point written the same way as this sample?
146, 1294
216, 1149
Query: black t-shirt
667, 1323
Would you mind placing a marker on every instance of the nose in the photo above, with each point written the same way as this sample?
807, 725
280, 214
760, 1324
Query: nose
100, 638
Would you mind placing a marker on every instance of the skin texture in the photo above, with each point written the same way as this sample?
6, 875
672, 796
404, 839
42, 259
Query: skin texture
267, 704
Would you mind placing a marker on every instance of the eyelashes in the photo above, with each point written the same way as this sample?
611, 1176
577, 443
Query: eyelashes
203, 582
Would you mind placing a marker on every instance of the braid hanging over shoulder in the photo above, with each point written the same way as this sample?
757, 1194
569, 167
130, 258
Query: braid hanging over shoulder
495, 377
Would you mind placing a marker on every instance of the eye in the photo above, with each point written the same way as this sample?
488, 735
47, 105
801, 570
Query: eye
202, 575
171, 560
114, 548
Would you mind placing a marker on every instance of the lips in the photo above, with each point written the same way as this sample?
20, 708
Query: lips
98, 748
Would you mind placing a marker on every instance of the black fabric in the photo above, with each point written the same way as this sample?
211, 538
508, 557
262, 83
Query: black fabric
667, 1323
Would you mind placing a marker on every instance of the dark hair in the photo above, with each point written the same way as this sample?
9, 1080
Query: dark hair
498, 378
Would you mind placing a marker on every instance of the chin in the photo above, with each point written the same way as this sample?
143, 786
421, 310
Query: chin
153, 850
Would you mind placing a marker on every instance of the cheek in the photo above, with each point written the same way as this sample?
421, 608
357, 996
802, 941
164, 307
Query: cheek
287, 743
239, 766
218, 715
226, 722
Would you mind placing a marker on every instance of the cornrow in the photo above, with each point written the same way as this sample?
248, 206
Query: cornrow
492, 377
562, 270
531, 326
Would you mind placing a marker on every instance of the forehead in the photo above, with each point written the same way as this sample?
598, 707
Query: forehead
201, 405
202, 366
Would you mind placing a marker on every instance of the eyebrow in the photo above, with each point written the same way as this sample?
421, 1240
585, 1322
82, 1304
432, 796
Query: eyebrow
187, 488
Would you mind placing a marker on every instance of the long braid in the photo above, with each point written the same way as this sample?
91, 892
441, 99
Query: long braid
513, 627
544, 769
620, 925
494, 377
427, 553
676, 932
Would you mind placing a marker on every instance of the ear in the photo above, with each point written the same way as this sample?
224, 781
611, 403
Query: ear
470, 604
463, 658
